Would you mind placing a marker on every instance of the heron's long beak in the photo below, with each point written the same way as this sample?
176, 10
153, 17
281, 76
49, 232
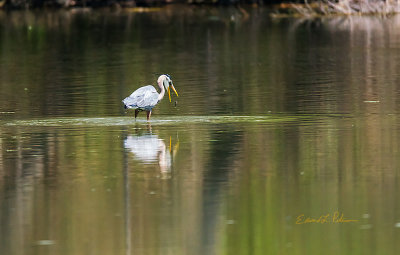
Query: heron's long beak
173, 88
169, 95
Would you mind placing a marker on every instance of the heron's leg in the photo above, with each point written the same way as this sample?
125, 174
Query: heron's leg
136, 113
148, 115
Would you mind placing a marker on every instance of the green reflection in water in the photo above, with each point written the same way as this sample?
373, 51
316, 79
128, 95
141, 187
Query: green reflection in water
199, 186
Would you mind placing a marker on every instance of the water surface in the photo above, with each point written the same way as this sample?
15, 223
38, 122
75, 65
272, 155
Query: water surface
277, 120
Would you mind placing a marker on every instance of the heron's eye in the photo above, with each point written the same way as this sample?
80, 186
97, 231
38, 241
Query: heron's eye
170, 82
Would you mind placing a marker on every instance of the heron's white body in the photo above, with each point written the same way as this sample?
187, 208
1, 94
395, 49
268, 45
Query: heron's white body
144, 98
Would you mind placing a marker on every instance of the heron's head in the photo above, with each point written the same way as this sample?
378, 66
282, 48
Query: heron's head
166, 81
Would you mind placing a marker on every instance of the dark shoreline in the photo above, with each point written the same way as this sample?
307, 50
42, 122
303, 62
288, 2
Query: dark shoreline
38, 4
306, 8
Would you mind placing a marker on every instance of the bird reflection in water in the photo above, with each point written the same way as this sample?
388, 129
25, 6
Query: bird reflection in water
149, 148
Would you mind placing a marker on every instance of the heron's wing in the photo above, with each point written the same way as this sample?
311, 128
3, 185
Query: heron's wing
144, 98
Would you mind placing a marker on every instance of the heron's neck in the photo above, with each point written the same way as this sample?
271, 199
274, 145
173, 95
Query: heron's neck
162, 92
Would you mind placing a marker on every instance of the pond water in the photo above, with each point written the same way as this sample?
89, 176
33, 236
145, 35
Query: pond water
279, 122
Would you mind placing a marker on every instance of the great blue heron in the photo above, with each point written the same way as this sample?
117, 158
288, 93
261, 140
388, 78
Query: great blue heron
145, 98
